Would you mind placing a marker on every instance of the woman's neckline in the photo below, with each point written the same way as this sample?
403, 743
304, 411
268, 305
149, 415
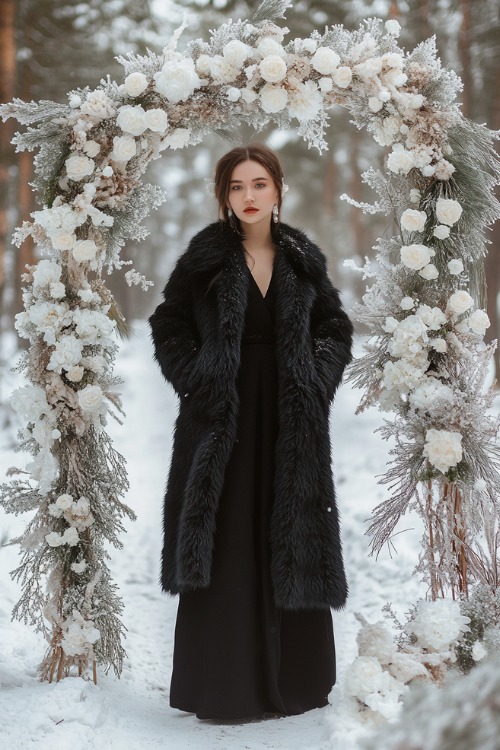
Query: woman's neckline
263, 295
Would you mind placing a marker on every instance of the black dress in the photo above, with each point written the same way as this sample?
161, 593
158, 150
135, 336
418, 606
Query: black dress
236, 655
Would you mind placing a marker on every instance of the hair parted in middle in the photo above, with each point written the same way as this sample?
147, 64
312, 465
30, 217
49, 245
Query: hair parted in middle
224, 169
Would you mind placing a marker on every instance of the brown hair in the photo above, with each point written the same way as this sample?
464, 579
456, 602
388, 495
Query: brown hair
224, 169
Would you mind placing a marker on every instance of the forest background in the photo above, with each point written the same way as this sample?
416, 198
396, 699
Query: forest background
48, 47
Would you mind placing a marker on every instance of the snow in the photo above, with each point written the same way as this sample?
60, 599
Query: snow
133, 712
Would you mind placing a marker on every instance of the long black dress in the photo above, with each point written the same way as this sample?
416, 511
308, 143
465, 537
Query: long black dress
236, 655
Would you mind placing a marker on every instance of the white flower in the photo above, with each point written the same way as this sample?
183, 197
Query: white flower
395, 77
325, 85
415, 256
54, 539
248, 95
455, 266
369, 68
441, 231
448, 211
131, 119
325, 60
177, 80
107, 171
443, 449
390, 324
268, 46
433, 317
460, 301
78, 167
478, 651
273, 98
75, 374
98, 105
124, 148
305, 101
96, 363
444, 169
428, 170
272, 68
86, 295
62, 240
135, 84
479, 322
412, 220
392, 27
90, 398
439, 345
400, 161
309, 45
46, 272
233, 94
67, 353
407, 303
84, 250
343, 76
409, 338
79, 635
70, 536
236, 52
64, 502
78, 567
178, 138
74, 101
79, 515
203, 63
415, 195
424, 397
92, 148
429, 272
393, 60
30, 402
375, 104
363, 677
222, 71
403, 375
49, 318
156, 120
438, 624
384, 96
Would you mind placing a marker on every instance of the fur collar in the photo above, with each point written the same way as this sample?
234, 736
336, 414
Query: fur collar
209, 248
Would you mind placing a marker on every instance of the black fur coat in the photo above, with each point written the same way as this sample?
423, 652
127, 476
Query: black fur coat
196, 334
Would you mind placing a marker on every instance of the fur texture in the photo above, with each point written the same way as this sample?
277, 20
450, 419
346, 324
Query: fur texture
196, 334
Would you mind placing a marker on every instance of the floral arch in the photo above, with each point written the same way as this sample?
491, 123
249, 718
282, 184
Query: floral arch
426, 361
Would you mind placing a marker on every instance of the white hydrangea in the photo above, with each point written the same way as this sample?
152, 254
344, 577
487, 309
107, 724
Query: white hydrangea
438, 624
455, 266
177, 80
79, 166
236, 52
479, 322
412, 220
325, 60
433, 317
369, 69
90, 398
448, 211
93, 326
424, 398
49, 318
390, 324
342, 76
135, 84
415, 256
443, 448
409, 338
403, 375
305, 101
273, 69
273, 98
460, 302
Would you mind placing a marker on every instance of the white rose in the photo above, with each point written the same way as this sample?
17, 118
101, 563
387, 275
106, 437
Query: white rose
400, 161
429, 272
78, 167
325, 60
412, 220
415, 256
407, 303
135, 84
177, 80
178, 138
92, 148
460, 301
375, 104
479, 322
443, 449
392, 27
441, 231
269, 46
272, 68
415, 195
236, 52
273, 98
62, 240
90, 398
342, 76
64, 502
156, 120
46, 272
84, 250
448, 211
124, 148
75, 374
455, 266
132, 119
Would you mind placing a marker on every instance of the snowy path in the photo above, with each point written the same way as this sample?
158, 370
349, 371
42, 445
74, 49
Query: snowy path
133, 712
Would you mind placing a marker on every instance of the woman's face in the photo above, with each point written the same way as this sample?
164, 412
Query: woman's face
252, 193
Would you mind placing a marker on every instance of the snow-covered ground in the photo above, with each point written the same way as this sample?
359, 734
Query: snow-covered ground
133, 712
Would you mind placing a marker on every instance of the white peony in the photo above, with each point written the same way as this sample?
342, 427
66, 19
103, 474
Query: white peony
78, 167
400, 161
442, 232
424, 397
235, 52
325, 60
305, 101
273, 68
156, 120
178, 138
443, 449
415, 256
67, 354
412, 220
273, 98
448, 211
90, 398
177, 80
343, 76
131, 119
459, 302
455, 266
433, 317
135, 84
46, 272
429, 272
124, 148
479, 322
84, 250
438, 624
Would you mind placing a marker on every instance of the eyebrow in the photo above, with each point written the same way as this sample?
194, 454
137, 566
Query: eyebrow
255, 179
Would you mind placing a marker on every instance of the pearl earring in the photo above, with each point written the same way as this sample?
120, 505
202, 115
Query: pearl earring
229, 213
275, 213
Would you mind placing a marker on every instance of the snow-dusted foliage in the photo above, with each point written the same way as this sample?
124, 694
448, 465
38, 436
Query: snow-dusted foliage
428, 361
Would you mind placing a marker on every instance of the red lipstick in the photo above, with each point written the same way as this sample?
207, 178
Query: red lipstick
250, 210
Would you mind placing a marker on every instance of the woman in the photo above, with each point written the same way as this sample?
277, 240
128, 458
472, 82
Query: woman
253, 338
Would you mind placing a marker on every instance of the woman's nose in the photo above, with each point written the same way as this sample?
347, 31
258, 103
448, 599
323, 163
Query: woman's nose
249, 194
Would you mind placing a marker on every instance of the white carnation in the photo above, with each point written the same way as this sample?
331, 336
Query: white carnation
412, 220
415, 256
178, 138
236, 52
325, 60
460, 301
479, 322
90, 398
429, 272
84, 250
131, 119
305, 101
443, 449
438, 624
124, 148
342, 76
448, 211
156, 120
455, 266
79, 166
272, 68
400, 161
46, 272
49, 318
177, 80
273, 98
442, 232
98, 105
425, 396
135, 84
